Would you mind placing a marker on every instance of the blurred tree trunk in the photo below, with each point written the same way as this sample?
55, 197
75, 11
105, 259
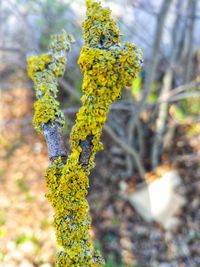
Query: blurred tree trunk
189, 43
152, 66
151, 70
156, 47
165, 90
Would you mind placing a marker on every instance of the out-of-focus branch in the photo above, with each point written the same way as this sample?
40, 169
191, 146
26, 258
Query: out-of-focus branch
184, 96
188, 157
151, 69
190, 42
11, 49
69, 89
130, 150
181, 88
161, 120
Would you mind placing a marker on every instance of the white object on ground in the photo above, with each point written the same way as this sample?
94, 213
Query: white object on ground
158, 200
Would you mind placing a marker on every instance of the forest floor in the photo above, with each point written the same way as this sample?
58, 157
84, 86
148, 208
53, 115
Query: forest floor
26, 233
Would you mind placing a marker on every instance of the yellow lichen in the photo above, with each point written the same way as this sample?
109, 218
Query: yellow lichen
37, 64
44, 70
46, 109
107, 66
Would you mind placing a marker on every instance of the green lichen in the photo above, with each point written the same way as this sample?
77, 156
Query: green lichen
44, 70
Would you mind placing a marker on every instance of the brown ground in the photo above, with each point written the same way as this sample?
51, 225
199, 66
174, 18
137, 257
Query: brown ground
26, 232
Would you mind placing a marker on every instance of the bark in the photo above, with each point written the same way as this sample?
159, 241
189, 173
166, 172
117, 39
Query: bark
54, 139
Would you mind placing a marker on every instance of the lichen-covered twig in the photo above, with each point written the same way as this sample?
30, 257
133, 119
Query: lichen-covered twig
44, 70
107, 66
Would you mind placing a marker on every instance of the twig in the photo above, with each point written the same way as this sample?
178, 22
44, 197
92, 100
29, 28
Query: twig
128, 149
140, 139
44, 70
129, 158
160, 124
154, 58
68, 88
184, 96
11, 49
189, 157
183, 87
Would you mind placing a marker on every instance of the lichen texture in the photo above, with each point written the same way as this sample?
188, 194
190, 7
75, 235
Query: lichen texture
107, 65
44, 70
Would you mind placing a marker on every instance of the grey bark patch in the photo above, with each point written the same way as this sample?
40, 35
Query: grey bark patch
86, 146
55, 143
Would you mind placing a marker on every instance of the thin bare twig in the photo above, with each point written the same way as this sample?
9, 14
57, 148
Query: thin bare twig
68, 88
11, 49
128, 149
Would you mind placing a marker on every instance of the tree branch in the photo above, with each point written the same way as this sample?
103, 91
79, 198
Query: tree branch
45, 70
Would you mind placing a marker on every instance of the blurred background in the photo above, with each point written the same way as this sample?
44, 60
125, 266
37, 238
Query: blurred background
144, 191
